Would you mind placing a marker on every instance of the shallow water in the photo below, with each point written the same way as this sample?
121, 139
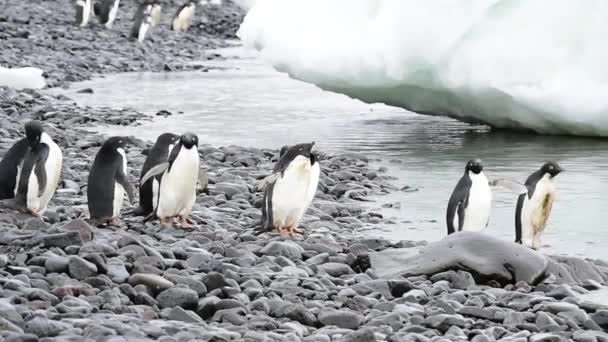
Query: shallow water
247, 103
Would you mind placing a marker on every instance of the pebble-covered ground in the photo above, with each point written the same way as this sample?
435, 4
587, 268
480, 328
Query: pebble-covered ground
64, 280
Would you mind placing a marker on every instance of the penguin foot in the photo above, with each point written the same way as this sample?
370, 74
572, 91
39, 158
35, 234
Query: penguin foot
115, 221
285, 233
185, 223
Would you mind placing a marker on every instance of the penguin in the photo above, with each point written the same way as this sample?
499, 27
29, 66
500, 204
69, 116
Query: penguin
11, 162
289, 190
183, 18
38, 172
83, 11
156, 12
471, 201
108, 182
178, 177
534, 205
142, 21
106, 11
148, 191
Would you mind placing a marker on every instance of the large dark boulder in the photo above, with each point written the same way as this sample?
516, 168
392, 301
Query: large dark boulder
486, 258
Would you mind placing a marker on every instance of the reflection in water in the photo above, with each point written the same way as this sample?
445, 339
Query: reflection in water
249, 104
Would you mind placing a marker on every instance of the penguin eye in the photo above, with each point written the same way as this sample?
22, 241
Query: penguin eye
551, 167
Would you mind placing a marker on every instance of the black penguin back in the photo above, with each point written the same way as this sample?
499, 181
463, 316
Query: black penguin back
8, 168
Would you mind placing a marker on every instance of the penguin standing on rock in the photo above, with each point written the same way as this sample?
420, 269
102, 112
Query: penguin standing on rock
38, 171
178, 177
471, 201
108, 182
183, 18
142, 21
83, 11
12, 162
106, 11
148, 191
155, 12
289, 190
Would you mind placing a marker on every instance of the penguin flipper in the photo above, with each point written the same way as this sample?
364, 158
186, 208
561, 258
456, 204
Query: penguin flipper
39, 169
510, 185
268, 180
156, 170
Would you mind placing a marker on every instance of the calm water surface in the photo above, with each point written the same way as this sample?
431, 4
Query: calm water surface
247, 103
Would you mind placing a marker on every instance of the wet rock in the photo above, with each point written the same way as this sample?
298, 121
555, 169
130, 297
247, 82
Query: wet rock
61, 240
178, 296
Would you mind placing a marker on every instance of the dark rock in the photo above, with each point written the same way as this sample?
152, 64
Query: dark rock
61, 240
154, 282
214, 280
178, 296
80, 268
287, 249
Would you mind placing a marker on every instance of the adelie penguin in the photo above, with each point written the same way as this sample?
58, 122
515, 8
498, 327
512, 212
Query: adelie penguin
108, 182
144, 19
148, 191
534, 203
106, 11
289, 190
31, 170
84, 9
471, 201
183, 18
178, 177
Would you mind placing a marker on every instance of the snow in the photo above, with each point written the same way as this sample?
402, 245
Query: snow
540, 65
21, 78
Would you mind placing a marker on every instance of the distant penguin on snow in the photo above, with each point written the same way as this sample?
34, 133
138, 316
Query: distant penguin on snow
289, 190
148, 191
83, 11
38, 170
108, 182
534, 205
106, 11
178, 177
471, 201
142, 21
183, 18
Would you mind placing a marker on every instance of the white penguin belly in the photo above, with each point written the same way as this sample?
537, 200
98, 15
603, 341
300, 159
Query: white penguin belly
143, 29
119, 195
535, 212
290, 195
112, 14
478, 210
178, 185
86, 12
38, 202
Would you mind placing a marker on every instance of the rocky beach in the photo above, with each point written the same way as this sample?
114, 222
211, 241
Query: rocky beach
62, 279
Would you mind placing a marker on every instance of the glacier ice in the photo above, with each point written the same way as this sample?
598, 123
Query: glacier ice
21, 78
540, 65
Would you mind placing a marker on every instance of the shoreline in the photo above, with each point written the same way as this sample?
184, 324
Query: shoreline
65, 279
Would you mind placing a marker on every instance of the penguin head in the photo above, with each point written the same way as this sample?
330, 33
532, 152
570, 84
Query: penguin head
33, 132
474, 165
552, 168
114, 143
189, 140
168, 138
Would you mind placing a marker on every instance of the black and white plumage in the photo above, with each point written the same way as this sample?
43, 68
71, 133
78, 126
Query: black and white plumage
471, 201
148, 191
38, 171
108, 182
106, 11
290, 189
183, 18
178, 178
534, 205
84, 9
142, 21
155, 12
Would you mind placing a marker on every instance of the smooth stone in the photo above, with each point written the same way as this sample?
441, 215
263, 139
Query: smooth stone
341, 318
287, 249
80, 268
214, 280
179, 314
335, 269
57, 264
154, 282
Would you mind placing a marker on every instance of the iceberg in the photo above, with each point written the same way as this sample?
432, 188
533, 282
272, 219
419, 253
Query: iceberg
21, 78
534, 65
